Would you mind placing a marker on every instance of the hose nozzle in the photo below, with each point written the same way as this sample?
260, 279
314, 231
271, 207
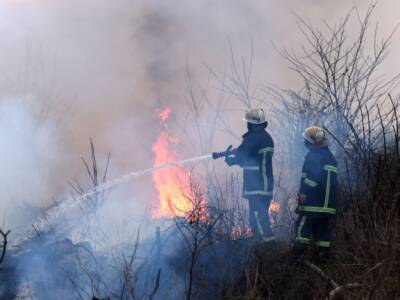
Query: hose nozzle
227, 152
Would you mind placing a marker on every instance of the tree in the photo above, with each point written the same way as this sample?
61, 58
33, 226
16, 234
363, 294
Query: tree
341, 78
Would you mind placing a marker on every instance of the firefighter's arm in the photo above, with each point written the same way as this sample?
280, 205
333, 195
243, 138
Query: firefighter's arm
310, 178
269, 162
301, 197
246, 151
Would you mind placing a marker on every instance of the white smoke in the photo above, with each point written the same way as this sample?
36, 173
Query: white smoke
29, 158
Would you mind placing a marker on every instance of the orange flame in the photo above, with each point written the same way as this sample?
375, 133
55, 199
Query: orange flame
172, 184
274, 207
240, 232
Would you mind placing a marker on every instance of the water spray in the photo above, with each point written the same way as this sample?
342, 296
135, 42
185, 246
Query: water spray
52, 213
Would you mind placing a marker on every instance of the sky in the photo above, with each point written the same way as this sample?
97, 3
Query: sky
73, 69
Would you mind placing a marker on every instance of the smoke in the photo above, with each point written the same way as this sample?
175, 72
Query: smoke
30, 157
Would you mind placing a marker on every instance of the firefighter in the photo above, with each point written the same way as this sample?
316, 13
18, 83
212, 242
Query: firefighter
317, 195
254, 156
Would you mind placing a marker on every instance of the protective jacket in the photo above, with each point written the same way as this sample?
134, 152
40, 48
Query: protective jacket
319, 182
254, 155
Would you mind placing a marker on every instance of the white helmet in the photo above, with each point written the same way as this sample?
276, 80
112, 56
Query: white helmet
255, 116
315, 135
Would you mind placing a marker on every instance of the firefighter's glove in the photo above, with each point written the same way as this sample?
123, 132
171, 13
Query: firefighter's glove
230, 160
301, 199
229, 156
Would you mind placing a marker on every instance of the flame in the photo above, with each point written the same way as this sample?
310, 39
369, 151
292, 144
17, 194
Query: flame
240, 232
172, 184
274, 207
164, 115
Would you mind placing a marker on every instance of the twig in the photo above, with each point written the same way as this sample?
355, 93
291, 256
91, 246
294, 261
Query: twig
335, 292
37, 232
4, 246
157, 285
337, 140
321, 273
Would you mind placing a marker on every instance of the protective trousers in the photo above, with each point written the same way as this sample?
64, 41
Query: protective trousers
259, 218
310, 227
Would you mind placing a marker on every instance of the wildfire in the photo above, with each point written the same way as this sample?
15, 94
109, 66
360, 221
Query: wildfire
173, 184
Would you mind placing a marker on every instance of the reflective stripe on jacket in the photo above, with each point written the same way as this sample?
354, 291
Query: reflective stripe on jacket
254, 155
319, 182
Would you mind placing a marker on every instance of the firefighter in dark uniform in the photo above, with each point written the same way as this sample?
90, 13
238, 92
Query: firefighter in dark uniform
254, 155
317, 195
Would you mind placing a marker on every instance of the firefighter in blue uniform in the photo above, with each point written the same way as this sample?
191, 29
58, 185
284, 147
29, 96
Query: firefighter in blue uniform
317, 195
254, 156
